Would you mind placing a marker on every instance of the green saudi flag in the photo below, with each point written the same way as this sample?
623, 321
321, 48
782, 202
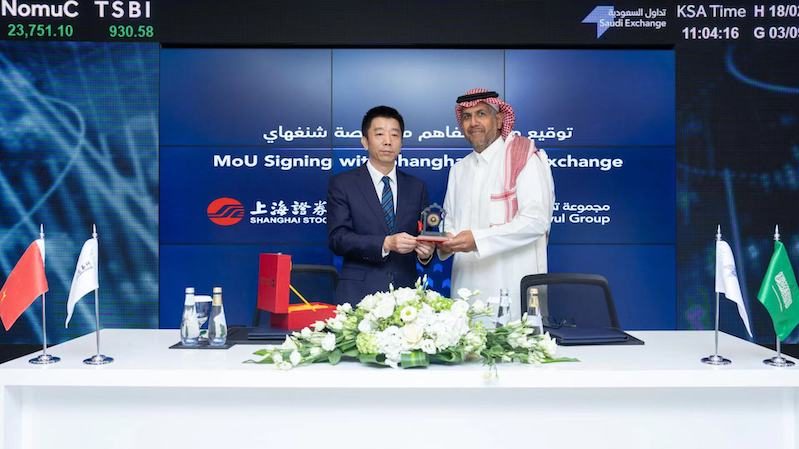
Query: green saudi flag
779, 293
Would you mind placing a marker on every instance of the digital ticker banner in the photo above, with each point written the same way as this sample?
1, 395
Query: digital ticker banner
256, 134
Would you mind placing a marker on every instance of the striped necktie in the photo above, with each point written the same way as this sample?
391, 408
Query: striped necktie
387, 203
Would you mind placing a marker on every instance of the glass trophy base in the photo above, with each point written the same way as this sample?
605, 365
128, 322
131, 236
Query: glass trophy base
716, 360
98, 359
780, 362
44, 359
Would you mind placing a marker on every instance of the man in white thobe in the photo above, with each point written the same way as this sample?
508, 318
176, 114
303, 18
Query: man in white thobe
499, 202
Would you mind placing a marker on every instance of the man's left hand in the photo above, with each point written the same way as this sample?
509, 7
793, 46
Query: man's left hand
461, 243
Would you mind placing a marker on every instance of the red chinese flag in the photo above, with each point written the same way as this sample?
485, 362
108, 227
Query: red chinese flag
25, 283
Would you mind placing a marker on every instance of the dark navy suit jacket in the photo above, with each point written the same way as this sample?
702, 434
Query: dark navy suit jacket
356, 230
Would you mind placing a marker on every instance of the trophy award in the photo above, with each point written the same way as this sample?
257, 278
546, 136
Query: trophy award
432, 224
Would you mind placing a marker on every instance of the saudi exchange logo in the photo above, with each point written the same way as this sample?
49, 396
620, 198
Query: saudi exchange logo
602, 17
225, 211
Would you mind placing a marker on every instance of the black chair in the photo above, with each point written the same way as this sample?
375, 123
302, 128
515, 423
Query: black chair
317, 283
572, 299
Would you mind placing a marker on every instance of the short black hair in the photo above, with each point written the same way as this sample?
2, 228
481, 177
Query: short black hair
381, 111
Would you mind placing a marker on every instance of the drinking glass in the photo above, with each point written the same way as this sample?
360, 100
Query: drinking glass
202, 304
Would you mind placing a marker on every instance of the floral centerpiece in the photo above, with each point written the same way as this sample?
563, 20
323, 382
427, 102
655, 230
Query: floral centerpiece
412, 327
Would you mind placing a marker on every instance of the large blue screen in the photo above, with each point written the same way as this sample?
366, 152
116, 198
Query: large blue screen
250, 137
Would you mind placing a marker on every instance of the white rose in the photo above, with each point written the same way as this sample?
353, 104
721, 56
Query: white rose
318, 326
329, 342
385, 307
305, 333
368, 302
412, 333
460, 307
314, 351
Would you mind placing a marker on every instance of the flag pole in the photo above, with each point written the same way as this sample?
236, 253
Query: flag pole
44, 358
778, 360
716, 359
97, 359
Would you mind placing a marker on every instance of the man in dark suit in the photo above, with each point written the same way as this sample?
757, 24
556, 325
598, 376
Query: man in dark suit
372, 214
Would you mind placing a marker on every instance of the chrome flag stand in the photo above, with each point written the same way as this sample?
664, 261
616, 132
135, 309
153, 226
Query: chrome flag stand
716, 359
44, 358
778, 360
97, 359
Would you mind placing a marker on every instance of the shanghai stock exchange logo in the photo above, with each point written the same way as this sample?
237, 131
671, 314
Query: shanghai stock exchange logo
225, 211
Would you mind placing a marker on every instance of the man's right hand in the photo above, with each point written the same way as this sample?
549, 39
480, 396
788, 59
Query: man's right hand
402, 243
443, 251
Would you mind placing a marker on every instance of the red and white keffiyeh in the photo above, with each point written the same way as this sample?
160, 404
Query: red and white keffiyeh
517, 152
486, 96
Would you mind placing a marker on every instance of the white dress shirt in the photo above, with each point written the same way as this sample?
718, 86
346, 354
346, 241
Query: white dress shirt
377, 181
506, 252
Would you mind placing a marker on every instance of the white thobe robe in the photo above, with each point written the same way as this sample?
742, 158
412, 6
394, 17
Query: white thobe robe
506, 251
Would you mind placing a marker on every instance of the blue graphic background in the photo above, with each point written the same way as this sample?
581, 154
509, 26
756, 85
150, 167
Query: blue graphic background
620, 104
79, 146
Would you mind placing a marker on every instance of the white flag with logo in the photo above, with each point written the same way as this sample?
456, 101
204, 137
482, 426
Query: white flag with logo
85, 278
727, 280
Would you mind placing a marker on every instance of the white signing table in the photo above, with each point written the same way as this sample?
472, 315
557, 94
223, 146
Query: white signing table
657, 396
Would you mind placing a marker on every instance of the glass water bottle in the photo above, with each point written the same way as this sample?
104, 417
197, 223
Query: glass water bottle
503, 311
217, 326
189, 326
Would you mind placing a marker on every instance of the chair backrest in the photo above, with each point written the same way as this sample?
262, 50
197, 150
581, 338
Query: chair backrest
317, 283
574, 299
